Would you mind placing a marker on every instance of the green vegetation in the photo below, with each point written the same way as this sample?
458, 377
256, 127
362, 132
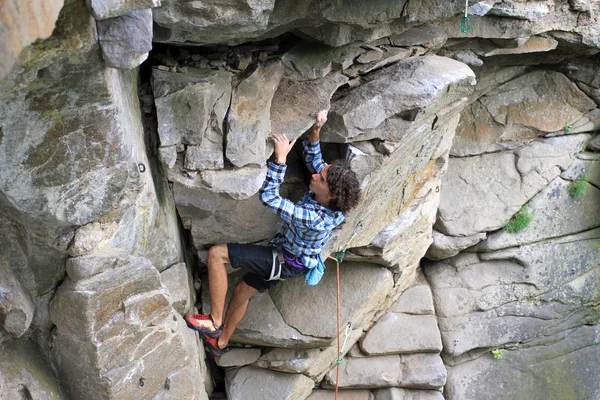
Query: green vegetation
519, 221
568, 128
497, 354
578, 187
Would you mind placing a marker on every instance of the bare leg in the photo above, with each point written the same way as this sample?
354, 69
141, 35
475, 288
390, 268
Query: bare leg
236, 310
218, 256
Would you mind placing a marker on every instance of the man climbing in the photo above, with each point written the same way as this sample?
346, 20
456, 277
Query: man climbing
294, 250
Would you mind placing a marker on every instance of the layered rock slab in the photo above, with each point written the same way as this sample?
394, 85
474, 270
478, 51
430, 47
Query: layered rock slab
122, 306
256, 383
551, 288
504, 182
535, 372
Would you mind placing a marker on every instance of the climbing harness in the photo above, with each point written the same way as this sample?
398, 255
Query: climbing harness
339, 257
464, 23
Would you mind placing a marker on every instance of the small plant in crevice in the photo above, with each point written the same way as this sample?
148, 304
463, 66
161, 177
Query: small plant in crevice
568, 128
577, 188
497, 353
519, 221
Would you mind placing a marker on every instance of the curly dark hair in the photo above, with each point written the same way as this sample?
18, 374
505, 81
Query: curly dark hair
343, 185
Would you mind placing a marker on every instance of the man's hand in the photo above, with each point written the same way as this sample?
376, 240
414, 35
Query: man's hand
316, 128
282, 147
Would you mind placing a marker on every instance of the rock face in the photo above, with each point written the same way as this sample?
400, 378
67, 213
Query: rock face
136, 318
115, 180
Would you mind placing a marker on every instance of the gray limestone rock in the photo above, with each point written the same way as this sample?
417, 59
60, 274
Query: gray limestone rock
534, 44
309, 61
263, 324
588, 168
413, 371
427, 35
416, 300
364, 286
191, 107
248, 119
343, 395
504, 182
518, 294
521, 105
444, 246
294, 103
368, 372
399, 333
296, 361
126, 39
16, 305
23, 372
208, 155
395, 97
238, 357
177, 281
168, 155
124, 308
389, 55
253, 383
240, 183
102, 9
569, 215
88, 265
406, 394
535, 372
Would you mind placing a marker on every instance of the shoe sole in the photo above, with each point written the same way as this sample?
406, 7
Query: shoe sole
210, 334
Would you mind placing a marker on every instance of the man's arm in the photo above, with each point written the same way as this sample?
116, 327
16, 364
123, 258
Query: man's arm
312, 147
269, 192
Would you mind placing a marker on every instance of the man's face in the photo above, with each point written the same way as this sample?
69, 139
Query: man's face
318, 183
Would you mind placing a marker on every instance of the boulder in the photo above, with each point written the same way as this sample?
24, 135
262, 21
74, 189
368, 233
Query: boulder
248, 119
388, 55
405, 394
239, 184
413, 371
367, 111
363, 288
536, 372
416, 300
263, 324
342, 395
57, 166
308, 61
521, 105
444, 246
102, 9
569, 215
16, 305
519, 294
294, 103
207, 93
116, 327
177, 282
427, 35
126, 39
238, 357
24, 374
260, 384
399, 333
503, 181
534, 44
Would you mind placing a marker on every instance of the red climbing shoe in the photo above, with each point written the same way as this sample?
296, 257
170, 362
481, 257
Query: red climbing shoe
213, 347
203, 324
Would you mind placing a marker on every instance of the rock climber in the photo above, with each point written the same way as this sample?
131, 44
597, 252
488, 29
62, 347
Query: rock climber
295, 249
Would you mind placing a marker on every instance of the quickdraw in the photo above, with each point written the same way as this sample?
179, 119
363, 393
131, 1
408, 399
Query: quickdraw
464, 23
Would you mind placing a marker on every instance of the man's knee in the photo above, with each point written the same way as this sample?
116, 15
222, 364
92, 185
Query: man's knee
218, 252
243, 291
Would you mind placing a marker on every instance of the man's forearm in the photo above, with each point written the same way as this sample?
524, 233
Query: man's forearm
315, 134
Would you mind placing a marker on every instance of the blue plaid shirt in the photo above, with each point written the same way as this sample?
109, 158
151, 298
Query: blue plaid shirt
307, 224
